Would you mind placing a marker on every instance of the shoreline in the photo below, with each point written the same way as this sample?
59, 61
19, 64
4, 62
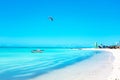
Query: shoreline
106, 69
115, 74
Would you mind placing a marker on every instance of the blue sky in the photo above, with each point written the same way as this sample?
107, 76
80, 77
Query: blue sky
81, 22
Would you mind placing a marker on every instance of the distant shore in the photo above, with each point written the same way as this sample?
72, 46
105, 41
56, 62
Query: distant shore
109, 69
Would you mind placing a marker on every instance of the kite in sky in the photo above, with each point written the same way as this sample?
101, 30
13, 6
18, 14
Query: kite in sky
50, 18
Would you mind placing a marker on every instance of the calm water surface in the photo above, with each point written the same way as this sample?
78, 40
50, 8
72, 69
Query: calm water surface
21, 64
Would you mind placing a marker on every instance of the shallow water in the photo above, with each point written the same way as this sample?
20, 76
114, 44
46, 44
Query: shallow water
21, 64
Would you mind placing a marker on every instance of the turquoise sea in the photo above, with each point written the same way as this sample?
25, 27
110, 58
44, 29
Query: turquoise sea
21, 64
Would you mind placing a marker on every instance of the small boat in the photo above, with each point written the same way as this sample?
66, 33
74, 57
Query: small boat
37, 51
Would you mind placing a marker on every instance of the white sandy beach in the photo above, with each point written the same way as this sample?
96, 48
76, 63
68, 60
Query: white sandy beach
115, 74
106, 70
